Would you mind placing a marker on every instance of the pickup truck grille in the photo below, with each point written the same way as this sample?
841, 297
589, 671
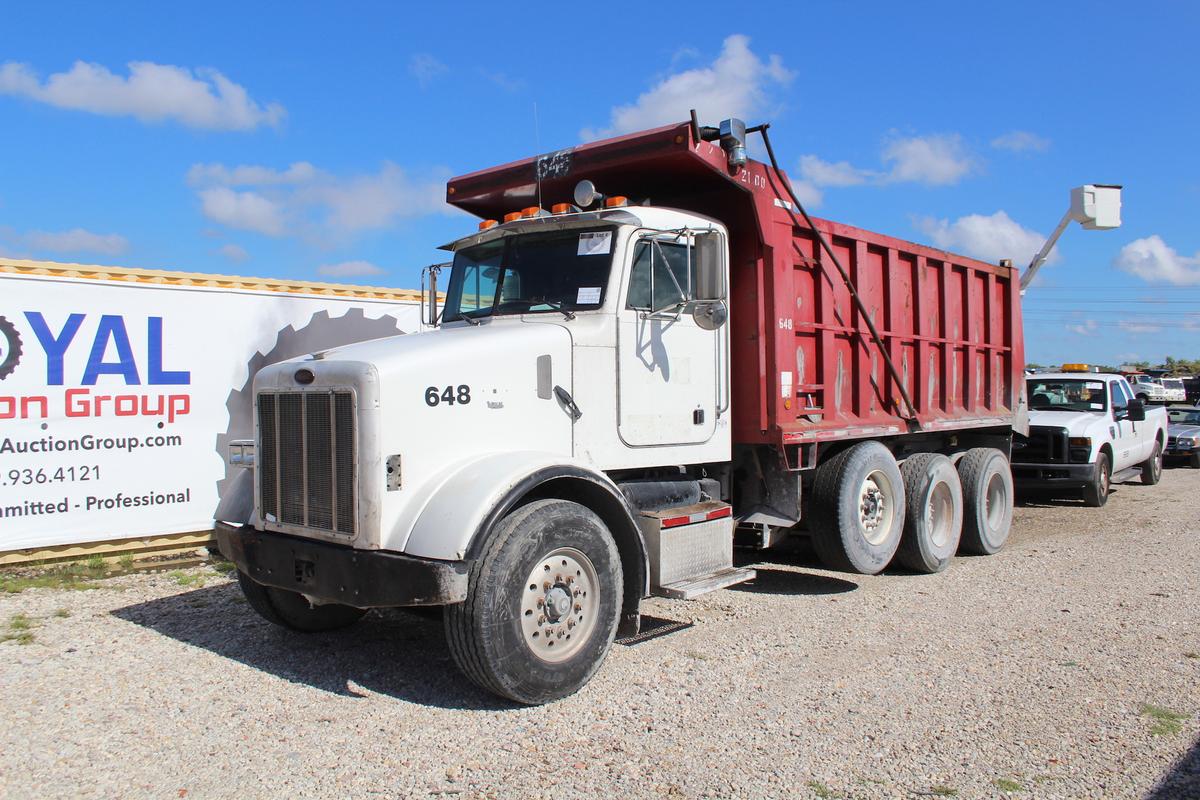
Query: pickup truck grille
1044, 445
306, 458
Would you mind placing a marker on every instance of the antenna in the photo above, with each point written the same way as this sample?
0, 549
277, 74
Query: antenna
537, 148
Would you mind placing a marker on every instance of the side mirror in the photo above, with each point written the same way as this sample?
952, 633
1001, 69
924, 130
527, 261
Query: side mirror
429, 295
1136, 410
710, 267
710, 314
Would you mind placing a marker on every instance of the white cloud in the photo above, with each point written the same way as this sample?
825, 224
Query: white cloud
76, 240
425, 68
303, 198
247, 211
736, 84
1154, 261
1138, 326
934, 160
503, 81
1085, 328
988, 238
842, 173
349, 269
938, 160
808, 193
234, 252
1021, 141
219, 174
200, 98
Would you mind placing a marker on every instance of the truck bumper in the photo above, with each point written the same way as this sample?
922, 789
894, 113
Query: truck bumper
340, 574
1049, 476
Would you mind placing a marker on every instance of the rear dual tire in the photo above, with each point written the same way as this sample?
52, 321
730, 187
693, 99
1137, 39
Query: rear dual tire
865, 510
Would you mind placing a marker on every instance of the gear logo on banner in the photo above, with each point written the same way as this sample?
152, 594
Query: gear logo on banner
10, 348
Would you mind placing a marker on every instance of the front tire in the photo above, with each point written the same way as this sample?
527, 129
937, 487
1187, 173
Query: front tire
293, 611
934, 518
1095, 494
857, 511
1152, 467
543, 602
987, 487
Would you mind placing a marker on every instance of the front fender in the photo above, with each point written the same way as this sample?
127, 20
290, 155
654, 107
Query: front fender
466, 501
237, 500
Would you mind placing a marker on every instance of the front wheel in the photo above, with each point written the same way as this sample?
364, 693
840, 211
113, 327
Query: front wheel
1095, 494
543, 601
1152, 467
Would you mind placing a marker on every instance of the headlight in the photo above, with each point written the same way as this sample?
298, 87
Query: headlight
241, 453
1080, 441
1189, 442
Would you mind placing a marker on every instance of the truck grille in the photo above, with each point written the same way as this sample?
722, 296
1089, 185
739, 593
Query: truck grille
306, 458
1044, 445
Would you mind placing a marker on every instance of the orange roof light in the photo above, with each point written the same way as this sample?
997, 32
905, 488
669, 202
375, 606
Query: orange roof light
532, 211
560, 208
488, 223
510, 216
1076, 368
615, 200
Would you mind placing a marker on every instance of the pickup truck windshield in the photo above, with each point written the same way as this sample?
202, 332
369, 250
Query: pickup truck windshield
1067, 395
555, 271
1184, 417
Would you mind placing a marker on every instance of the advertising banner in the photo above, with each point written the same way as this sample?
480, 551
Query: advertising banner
118, 397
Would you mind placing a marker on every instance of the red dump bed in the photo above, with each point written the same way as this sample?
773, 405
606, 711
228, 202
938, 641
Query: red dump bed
805, 368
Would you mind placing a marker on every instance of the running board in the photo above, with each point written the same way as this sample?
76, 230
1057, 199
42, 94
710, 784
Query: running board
691, 589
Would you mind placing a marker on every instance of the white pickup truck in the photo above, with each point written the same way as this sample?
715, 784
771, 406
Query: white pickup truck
1085, 429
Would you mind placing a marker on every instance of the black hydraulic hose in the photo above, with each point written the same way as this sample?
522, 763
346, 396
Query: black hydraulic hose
862, 308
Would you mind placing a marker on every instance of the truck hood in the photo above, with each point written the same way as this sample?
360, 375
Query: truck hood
1077, 423
1179, 429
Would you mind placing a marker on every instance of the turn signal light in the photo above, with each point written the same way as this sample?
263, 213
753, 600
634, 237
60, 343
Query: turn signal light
488, 223
1080, 441
510, 216
615, 200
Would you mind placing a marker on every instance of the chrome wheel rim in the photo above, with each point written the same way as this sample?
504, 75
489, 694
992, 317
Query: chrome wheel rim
939, 514
995, 500
876, 507
559, 603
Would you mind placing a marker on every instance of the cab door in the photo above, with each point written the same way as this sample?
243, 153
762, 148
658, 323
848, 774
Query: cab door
668, 372
1124, 431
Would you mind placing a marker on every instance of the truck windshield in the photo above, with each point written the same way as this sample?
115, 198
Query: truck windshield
1062, 394
531, 273
1184, 416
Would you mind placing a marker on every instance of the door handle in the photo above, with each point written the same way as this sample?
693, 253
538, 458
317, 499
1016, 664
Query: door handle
565, 398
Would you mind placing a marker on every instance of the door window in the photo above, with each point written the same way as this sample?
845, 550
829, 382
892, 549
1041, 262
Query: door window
662, 277
1120, 398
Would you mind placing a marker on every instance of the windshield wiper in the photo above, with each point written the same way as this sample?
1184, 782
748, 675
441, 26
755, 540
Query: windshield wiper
463, 315
557, 306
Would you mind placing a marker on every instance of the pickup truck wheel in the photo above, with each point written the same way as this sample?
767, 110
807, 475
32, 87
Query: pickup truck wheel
987, 488
1152, 467
543, 601
857, 514
1095, 494
292, 610
934, 502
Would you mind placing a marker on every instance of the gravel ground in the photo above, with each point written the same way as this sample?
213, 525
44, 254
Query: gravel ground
1025, 674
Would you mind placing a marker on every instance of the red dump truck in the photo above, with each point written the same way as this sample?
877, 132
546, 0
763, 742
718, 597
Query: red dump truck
646, 349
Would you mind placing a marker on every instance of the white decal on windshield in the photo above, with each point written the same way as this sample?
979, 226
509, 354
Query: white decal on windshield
596, 243
588, 296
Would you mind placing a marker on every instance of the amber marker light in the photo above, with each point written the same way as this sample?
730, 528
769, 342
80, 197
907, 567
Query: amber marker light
512, 215
615, 201
488, 223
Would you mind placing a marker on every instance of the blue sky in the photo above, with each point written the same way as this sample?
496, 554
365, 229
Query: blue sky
313, 141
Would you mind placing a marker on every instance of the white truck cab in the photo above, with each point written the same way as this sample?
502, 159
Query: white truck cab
1084, 429
1147, 388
